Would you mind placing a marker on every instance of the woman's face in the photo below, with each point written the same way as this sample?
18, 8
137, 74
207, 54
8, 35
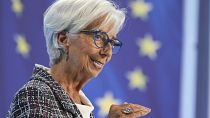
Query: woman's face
85, 57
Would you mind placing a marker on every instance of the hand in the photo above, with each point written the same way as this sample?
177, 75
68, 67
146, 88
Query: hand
128, 111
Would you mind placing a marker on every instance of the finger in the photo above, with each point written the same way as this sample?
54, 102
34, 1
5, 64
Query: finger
136, 107
139, 110
136, 114
139, 107
143, 112
136, 110
125, 104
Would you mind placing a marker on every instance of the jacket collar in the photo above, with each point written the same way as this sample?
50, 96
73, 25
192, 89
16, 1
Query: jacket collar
40, 73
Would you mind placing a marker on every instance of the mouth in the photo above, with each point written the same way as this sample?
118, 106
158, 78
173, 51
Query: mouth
98, 64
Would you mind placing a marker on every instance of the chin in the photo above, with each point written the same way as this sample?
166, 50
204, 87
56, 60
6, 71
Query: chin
95, 74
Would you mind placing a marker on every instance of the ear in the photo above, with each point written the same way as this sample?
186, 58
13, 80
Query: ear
62, 39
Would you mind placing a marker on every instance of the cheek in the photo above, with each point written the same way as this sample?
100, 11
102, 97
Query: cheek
84, 56
84, 52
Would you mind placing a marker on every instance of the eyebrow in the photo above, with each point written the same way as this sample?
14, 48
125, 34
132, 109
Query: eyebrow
111, 37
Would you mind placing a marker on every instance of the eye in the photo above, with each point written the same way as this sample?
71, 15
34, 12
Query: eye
101, 37
112, 42
98, 36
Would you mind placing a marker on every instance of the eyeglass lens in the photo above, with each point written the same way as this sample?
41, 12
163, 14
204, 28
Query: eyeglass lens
101, 40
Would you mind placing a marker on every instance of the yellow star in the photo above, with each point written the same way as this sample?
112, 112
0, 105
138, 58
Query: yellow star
105, 103
17, 6
148, 47
22, 46
141, 9
137, 79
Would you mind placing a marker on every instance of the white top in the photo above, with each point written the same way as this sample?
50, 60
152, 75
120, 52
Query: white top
87, 108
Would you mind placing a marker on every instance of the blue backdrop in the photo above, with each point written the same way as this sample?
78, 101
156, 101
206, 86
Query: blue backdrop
146, 71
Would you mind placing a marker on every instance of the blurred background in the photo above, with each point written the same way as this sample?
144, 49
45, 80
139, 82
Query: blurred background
163, 64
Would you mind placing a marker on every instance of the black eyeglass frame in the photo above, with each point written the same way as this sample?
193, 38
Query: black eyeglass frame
114, 42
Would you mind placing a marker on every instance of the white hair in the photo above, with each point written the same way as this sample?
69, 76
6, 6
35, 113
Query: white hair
76, 15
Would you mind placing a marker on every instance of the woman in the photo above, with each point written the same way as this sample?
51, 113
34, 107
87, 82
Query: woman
81, 38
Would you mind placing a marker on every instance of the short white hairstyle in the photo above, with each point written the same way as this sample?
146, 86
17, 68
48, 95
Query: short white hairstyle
76, 15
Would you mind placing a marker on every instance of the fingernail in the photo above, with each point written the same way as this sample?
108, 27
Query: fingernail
147, 109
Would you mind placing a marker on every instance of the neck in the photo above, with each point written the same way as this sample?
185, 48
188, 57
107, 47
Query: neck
72, 80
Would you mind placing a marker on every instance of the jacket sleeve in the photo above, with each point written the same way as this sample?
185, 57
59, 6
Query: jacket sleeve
32, 102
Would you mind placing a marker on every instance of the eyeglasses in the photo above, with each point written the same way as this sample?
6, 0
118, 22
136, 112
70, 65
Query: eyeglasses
101, 40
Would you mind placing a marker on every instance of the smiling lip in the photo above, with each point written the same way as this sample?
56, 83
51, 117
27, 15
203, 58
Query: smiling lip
97, 63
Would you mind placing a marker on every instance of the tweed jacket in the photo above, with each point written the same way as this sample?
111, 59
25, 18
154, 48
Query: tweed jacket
43, 97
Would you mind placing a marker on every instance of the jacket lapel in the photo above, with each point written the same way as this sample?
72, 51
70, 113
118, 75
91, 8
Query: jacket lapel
40, 74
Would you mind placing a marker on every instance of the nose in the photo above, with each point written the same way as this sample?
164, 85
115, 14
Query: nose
106, 51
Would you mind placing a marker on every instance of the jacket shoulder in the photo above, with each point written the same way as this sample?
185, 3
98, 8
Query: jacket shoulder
35, 98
